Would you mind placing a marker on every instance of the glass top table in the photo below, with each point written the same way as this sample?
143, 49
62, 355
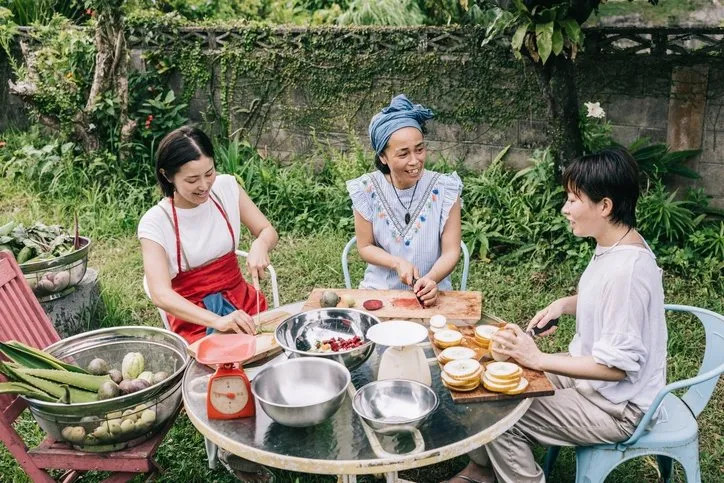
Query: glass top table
344, 445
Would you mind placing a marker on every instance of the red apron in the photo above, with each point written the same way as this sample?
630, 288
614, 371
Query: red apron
221, 275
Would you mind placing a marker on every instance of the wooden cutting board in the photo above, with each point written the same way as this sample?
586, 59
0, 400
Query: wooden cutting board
266, 345
538, 383
402, 304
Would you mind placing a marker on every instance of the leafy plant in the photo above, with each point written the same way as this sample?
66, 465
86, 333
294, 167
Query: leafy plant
657, 162
382, 12
595, 128
30, 12
664, 218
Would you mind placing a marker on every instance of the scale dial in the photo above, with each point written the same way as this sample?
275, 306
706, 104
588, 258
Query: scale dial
228, 394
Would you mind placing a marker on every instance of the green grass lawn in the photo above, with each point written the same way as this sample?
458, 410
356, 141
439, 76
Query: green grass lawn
666, 13
512, 291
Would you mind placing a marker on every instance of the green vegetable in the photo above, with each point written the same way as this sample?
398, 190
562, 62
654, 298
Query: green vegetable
132, 365
83, 381
7, 228
33, 358
16, 373
24, 255
24, 389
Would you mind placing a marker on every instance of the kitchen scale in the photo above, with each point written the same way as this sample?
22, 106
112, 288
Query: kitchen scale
229, 392
403, 358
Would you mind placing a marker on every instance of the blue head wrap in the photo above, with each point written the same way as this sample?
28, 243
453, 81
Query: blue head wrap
400, 113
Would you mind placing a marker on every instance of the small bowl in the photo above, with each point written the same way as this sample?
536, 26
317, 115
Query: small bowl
298, 334
394, 404
301, 392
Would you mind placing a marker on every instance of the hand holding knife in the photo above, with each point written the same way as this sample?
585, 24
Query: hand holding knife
419, 300
536, 331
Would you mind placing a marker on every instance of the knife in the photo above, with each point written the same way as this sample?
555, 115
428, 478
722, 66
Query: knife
535, 331
419, 300
255, 277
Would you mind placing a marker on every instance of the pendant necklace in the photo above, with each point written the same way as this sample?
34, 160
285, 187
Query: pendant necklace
407, 208
599, 255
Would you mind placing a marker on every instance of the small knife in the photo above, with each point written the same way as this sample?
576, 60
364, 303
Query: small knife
419, 300
256, 288
535, 331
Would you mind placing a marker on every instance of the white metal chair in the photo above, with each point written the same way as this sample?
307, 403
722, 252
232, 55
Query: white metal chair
676, 438
353, 240
211, 448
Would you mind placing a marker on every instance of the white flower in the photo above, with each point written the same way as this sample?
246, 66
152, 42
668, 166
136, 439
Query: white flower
595, 110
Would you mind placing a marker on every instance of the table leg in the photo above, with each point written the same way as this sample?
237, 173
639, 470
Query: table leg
211, 453
392, 477
346, 478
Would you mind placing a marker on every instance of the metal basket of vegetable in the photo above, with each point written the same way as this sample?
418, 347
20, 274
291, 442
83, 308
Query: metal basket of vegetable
52, 261
102, 390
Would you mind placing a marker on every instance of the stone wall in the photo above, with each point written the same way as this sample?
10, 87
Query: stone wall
648, 86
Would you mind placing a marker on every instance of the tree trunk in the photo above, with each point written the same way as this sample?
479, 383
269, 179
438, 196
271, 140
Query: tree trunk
557, 81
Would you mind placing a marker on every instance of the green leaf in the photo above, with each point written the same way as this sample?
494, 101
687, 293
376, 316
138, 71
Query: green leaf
520, 6
557, 41
544, 40
573, 30
519, 36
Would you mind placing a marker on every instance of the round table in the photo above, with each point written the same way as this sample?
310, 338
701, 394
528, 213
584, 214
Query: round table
343, 445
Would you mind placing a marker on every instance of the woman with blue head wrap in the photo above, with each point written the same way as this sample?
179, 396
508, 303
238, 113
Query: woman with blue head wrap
407, 218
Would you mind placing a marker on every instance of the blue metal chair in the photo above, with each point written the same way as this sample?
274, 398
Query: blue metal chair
353, 240
678, 437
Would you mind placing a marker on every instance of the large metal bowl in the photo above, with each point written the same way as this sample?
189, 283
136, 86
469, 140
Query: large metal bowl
162, 350
394, 404
298, 334
57, 277
301, 392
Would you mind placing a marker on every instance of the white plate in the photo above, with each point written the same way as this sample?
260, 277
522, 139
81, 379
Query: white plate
397, 333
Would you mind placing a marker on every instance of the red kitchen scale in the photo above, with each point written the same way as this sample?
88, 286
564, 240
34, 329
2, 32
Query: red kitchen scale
229, 391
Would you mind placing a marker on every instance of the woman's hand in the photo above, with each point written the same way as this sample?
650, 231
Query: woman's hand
542, 317
426, 289
518, 345
257, 260
406, 271
237, 321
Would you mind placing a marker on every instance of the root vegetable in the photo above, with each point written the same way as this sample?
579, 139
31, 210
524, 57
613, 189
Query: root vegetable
127, 426
146, 376
328, 299
348, 300
115, 375
61, 281
372, 304
98, 367
159, 377
109, 390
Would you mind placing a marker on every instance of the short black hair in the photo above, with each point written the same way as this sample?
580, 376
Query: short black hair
611, 173
187, 143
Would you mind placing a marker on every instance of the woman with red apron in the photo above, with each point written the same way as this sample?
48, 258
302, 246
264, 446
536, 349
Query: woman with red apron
191, 268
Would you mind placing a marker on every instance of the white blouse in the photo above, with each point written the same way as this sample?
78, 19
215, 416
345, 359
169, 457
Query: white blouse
620, 322
418, 241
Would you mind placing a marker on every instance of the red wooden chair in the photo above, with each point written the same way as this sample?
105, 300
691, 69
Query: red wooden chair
22, 319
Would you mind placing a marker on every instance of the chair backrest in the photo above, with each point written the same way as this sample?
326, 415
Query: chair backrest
22, 319
353, 240
699, 394
701, 386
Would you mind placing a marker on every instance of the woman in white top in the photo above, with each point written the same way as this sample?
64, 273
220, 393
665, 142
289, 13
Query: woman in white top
406, 218
189, 238
617, 359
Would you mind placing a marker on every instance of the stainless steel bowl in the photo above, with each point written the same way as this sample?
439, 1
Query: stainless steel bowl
394, 404
57, 277
162, 350
301, 392
298, 334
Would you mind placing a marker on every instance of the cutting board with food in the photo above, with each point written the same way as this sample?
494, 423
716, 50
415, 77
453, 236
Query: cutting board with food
471, 374
399, 304
266, 345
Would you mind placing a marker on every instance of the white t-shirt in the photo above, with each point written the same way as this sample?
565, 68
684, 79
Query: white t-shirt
620, 322
203, 230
